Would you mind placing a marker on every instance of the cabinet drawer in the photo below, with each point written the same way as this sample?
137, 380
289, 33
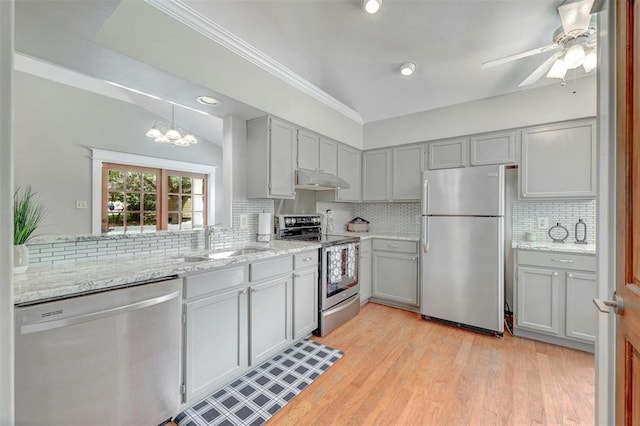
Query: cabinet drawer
214, 281
306, 259
270, 268
396, 246
557, 260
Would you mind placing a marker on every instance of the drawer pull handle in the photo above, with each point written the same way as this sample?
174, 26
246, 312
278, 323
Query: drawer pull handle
554, 259
306, 259
393, 245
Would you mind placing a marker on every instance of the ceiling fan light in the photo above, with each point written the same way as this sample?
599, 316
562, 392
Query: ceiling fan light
172, 134
162, 139
574, 56
558, 70
407, 68
181, 142
590, 61
371, 6
190, 139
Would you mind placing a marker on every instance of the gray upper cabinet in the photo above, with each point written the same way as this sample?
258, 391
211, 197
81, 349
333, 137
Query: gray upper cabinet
271, 158
328, 156
376, 171
448, 154
493, 148
559, 161
308, 146
349, 169
407, 173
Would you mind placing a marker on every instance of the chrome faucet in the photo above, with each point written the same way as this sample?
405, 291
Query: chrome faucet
209, 230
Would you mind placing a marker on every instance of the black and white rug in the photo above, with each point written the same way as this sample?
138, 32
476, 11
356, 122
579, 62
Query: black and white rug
255, 397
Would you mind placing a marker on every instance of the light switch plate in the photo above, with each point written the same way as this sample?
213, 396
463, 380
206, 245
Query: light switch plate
81, 204
543, 222
244, 221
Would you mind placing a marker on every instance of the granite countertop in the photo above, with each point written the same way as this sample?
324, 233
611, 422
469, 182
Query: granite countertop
50, 282
557, 247
381, 235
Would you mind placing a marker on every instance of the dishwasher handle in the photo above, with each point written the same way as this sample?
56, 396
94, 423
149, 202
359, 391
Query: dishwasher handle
34, 327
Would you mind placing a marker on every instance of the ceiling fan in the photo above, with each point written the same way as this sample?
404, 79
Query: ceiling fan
574, 43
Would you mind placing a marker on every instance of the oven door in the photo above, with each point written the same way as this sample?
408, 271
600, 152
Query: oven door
339, 274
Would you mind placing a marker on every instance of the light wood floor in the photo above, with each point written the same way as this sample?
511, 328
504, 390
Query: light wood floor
398, 369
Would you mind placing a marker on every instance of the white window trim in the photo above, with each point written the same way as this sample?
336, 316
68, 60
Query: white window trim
101, 156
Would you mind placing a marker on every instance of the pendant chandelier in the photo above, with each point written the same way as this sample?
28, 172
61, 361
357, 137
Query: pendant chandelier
163, 132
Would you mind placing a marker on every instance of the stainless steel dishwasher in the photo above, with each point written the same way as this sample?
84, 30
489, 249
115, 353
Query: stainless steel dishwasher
101, 359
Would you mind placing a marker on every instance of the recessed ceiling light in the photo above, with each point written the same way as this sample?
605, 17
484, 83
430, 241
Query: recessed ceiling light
371, 6
207, 100
407, 68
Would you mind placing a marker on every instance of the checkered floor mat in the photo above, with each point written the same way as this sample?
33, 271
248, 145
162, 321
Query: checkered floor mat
259, 394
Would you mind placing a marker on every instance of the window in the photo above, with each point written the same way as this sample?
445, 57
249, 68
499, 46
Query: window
133, 194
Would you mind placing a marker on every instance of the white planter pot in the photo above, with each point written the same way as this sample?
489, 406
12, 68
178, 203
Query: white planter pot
20, 259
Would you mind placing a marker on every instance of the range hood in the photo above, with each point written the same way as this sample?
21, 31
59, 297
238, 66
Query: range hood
318, 181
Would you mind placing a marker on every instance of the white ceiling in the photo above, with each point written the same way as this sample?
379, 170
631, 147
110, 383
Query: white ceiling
355, 57
333, 44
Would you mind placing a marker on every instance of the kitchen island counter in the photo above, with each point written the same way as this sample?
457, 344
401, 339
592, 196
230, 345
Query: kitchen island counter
43, 283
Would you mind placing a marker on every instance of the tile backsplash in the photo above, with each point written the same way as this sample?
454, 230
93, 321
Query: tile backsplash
383, 217
92, 248
525, 216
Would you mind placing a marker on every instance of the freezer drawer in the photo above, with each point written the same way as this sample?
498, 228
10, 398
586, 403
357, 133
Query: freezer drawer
462, 271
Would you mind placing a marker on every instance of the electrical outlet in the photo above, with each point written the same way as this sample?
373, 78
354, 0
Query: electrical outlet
244, 221
81, 204
543, 222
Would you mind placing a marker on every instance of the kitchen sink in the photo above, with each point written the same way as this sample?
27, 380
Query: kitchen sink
222, 254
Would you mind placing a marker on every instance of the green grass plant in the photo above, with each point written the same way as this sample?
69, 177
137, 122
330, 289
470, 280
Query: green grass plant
28, 214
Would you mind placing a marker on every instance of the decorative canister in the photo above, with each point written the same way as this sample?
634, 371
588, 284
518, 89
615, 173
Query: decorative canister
558, 233
581, 232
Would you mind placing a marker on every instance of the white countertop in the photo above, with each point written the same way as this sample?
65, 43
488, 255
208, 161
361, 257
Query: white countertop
49, 282
381, 235
557, 247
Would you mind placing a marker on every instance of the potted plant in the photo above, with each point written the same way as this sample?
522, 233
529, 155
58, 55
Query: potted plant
28, 213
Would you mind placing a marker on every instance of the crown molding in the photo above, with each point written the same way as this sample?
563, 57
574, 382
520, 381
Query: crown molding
205, 26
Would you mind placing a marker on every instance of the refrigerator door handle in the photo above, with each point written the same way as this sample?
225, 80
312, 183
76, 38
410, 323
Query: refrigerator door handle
425, 234
425, 196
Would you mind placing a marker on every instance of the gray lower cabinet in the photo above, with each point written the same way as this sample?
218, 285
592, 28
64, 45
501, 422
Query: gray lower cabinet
215, 341
305, 302
554, 293
559, 161
215, 330
364, 271
395, 272
269, 322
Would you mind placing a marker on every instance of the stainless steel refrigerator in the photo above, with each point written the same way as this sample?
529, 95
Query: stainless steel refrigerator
462, 247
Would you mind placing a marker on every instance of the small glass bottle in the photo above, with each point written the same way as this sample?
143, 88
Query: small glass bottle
581, 232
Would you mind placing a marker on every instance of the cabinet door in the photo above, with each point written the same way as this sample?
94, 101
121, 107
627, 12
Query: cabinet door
395, 277
308, 145
282, 159
559, 161
268, 319
215, 336
349, 169
305, 302
581, 319
328, 159
407, 173
364, 277
493, 148
448, 154
537, 299
376, 169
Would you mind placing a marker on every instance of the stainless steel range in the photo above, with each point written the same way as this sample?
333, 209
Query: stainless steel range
338, 269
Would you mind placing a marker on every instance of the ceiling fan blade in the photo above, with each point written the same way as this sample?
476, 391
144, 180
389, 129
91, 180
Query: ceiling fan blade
598, 6
575, 16
541, 70
510, 58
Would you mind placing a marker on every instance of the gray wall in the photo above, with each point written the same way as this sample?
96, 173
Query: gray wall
544, 104
54, 127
